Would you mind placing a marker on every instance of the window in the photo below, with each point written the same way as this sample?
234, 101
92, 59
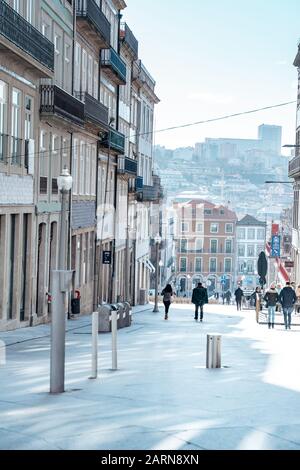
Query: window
93, 167
198, 265
251, 233
199, 228
241, 234
57, 44
184, 227
84, 71
241, 250
229, 228
75, 167
82, 168
96, 72
88, 170
214, 228
183, 245
250, 251
77, 67
183, 265
207, 211
227, 265
222, 212
228, 246
261, 234
213, 265
29, 11
250, 267
214, 246
259, 249
199, 245
46, 30
16, 127
28, 117
16, 5
90, 75
3, 122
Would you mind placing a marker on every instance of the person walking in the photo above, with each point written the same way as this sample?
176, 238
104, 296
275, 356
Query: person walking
239, 294
199, 298
167, 299
228, 297
258, 306
271, 298
298, 299
287, 299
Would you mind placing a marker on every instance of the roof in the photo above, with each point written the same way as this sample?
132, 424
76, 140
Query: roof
249, 220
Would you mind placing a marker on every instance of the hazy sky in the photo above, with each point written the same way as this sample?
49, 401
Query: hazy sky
216, 57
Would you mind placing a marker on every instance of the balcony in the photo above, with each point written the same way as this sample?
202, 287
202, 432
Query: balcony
128, 39
114, 66
139, 184
19, 36
3, 148
294, 167
114, 141
92, 23
127, 166
150, 193
95, 112
59, 103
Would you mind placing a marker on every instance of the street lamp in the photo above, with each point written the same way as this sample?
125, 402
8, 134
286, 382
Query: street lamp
61, 280
161, 263
157, 241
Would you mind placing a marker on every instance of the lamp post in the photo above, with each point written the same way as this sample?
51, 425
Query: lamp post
61, 281
161, 263
157, 241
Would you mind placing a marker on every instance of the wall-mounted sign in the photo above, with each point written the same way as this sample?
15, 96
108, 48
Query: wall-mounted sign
275, 252
289, 264
106, 257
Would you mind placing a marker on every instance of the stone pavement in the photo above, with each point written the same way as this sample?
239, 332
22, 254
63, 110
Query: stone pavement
162, 396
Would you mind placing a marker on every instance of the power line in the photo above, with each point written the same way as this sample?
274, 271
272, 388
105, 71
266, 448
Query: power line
181, 126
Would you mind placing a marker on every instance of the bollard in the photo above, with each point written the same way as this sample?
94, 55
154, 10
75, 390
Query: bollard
114, 329
213, 351
95, 327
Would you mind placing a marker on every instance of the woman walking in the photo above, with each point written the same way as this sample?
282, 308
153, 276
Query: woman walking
271, 298
167, 299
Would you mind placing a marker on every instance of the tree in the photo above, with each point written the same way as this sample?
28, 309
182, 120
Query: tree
262, 268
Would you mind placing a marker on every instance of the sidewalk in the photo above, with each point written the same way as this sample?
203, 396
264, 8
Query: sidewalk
162, 396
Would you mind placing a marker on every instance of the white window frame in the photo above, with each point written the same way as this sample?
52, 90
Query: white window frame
231, 228
201, 264
209, 266
217, 226
227, 259
184, 227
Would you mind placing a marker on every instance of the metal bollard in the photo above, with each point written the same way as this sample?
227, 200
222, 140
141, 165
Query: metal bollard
95, 328
213, 351
114, 329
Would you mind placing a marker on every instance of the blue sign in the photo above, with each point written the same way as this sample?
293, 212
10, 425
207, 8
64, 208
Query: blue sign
223, 278
275, 253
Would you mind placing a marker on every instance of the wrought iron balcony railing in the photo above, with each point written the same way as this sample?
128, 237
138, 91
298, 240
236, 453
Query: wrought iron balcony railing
294, 166
127, 166
114, 65
94, 111
139, 184
114, 140
89, 11
3, 148
25, 36
58, 102
130, 40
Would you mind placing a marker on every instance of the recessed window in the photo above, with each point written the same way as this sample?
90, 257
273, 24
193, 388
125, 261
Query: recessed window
214, 228
207, 211
229, 228
184, 227
213, 265
241, 234
183, 265
199, 228
251, 233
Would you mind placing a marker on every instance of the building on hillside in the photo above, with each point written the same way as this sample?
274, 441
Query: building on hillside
205, 245
250, 242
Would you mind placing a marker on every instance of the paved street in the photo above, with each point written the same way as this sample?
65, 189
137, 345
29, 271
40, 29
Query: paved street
162, 397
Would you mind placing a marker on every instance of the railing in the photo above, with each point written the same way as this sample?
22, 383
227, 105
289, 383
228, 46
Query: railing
54, 100
139, 184
3, 148
128, 38
89, 9
150, 193
114, 140
111, 59
16, 150
93, 109
127, 165
294, 166
19, 31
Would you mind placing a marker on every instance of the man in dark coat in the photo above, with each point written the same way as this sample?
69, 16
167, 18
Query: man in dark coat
239, 294
199, 298
287, 299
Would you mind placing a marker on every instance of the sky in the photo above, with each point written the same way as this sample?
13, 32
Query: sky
217, 57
